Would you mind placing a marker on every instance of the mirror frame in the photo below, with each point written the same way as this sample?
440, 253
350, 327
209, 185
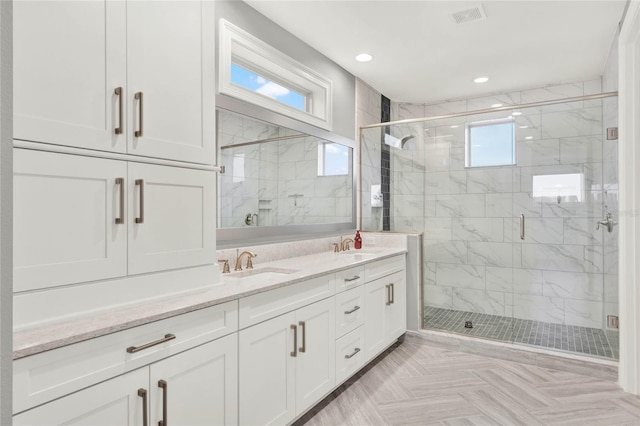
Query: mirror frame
233, 237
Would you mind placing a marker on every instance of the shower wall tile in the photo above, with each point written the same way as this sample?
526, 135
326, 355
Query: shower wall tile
499, 205
486, 102
445, 183
486, 302
555, 257
438, 229
593, 87
527, 281
405, 111
552, 92
445, 251
573, 285
491, 254
610, 309
429, 272
408, 205
538, 308
445, 108
462, 276
499, 279
583, 313
587, 121
538, 153
611, 288
581, 149
538, 230
457, 158
438, 296
407, 183
437, 157
429, 206
407, 223
582, 231
478, 229
464, 205
489, 180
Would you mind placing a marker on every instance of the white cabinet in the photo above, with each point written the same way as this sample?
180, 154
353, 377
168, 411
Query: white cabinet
118, 76
171, 219
66, 211
114, 402
68, 58
81, 219
286, 364
196, 387
385, 317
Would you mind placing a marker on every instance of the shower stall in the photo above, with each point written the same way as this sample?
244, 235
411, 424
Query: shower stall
517, 206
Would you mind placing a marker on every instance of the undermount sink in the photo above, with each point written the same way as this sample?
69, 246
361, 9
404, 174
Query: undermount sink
268, 270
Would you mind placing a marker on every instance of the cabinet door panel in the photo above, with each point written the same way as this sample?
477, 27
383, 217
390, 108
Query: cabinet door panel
114, 402
315, 367
177, 230
170, 60
202, 385
65, 209
68, 59
267, 372
397, 318
375, 317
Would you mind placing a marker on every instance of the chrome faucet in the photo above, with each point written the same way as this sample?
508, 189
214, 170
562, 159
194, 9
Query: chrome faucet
608, 222
250, 255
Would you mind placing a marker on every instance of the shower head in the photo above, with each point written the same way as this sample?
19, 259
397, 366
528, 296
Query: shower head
397, 143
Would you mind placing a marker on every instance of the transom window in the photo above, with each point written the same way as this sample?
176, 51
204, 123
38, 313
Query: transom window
490, 143
259, 84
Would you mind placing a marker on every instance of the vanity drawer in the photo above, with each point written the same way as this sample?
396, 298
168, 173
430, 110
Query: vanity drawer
52, 374
349, 278
349, 310
349, 354
269, 304
382, 268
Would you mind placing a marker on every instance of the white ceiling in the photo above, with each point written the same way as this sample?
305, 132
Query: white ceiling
422, 55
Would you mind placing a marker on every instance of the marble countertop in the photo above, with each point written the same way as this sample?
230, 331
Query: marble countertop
231, 287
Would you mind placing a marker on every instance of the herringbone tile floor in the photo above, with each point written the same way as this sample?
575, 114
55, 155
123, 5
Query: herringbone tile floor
417, 384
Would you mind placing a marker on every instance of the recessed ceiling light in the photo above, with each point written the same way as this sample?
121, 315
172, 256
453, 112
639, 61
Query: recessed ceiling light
524, 127
516, 113
481, 79
454, 127
364, 57
529, 138
496, 105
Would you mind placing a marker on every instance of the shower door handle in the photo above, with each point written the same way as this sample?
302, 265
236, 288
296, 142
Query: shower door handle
522, 226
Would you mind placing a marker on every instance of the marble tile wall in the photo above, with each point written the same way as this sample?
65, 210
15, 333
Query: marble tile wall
263, 178
564, 271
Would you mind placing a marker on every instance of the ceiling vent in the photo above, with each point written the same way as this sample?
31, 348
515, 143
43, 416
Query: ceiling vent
475, 13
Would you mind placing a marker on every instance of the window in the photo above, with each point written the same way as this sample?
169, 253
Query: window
259, 84
490, 143
333, 159
251, 70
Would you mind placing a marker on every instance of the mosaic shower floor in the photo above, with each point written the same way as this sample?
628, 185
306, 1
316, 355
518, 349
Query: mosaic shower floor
583, 340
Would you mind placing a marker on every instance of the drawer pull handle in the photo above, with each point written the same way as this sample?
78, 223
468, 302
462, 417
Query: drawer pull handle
388, 287
393, 294
118, 93
166, 338
303, 348
120, 182
138, 97
355, 308
165, 402
140, 183
145, 408
353, 354
355, 277
295, 340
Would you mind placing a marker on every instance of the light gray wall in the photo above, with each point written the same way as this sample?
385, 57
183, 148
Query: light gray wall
6, 210
344, 83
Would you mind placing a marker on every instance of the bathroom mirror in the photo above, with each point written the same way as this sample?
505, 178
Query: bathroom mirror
280, 181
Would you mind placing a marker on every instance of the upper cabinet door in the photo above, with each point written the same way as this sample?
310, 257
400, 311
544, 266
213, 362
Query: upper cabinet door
69, 219
170, 66
69, 58
171, 218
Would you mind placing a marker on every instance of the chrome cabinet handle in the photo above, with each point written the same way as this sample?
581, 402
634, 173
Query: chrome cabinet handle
356, 350
295, 340
303, 348
388, 287
165, 401
120, 181
393, 294
118, 93
166, 338
140, 183
139, 98
355, 277
522, 226
355, 308
145, 413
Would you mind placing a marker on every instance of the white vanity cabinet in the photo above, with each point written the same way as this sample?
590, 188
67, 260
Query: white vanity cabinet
81, 219
386, 317
287, 363
110, 76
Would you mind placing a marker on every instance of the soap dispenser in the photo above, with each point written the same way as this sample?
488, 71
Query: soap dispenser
357, 241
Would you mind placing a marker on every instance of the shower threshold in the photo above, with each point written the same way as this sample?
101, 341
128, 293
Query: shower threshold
566, 338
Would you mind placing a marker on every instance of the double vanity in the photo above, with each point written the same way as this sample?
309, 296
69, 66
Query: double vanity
261, 347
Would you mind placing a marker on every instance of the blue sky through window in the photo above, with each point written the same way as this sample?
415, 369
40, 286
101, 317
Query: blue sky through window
254, 82
491, 145
333, 159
